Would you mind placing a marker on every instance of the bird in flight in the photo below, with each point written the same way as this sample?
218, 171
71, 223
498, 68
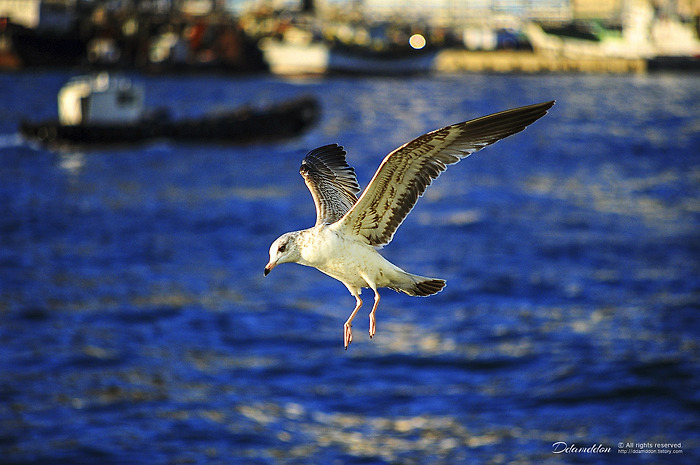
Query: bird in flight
348, 231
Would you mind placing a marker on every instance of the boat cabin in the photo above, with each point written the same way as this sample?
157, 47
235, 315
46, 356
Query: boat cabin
100, 100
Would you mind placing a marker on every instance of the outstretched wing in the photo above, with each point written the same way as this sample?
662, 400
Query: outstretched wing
406, 172
331, 181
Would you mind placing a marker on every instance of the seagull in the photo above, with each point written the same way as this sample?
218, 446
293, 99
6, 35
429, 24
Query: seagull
349, 230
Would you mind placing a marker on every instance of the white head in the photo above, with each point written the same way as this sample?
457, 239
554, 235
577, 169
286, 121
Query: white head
283, 250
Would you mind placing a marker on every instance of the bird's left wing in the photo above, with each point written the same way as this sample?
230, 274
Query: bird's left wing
331, 181
406, 172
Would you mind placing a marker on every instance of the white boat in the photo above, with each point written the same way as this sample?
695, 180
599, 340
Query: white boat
295, 58
289, 58
298, 53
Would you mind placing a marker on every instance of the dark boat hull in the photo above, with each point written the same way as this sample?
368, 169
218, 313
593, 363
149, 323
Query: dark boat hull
348, 60
284, 120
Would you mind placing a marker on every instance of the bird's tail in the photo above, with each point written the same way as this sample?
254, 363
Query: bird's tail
419, 285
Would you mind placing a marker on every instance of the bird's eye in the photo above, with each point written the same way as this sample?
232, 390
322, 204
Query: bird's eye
282, 248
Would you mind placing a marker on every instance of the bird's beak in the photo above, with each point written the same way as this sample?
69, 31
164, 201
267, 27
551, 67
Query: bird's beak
269, 268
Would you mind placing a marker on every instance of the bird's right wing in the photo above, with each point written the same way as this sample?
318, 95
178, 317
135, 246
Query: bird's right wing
406, 172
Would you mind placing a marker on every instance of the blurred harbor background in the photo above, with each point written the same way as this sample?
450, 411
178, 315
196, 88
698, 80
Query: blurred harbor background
136, 326
320, 36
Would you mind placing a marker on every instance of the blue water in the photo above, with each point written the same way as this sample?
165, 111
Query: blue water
136, 326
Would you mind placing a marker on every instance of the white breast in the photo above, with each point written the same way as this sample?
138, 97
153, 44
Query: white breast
345, 258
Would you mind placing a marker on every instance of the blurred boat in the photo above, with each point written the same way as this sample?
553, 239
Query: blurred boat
394, 62
101, 109
644, 35
360, 50
289, 58
293, 58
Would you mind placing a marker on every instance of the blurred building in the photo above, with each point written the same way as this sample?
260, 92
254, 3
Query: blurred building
470, 12
460, 12
57, 13
596, 9
37, 13
49, 15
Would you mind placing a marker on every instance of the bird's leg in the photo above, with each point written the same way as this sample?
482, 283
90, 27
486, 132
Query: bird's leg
372, 319
347, 327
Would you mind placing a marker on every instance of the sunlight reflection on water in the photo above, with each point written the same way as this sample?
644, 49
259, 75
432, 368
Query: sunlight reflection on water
138, 328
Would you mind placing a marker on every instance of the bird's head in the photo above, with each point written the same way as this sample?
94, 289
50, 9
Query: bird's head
283, 250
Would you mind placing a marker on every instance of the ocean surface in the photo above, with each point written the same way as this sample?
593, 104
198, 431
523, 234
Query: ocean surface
136, 326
